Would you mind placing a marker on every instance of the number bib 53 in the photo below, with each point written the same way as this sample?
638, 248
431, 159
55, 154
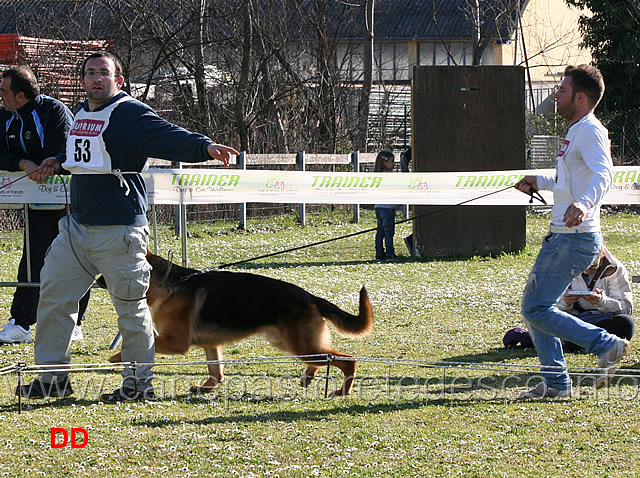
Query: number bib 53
86, 151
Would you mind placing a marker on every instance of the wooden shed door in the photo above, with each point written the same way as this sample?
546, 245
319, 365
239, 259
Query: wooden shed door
468, 119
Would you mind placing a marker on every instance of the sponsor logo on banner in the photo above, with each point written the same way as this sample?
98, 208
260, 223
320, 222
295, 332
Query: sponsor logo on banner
186, 180
275, 183
418, 183
353, 181
6, 182
485, 181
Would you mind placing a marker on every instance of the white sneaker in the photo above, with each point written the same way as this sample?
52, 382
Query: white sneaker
76, 335
14, 334
608, 362
542, 391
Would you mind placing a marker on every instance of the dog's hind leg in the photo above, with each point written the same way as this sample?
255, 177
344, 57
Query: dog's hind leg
215, 371
309, 336
348, 368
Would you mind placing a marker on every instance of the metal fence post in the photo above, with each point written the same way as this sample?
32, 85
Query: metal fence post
181, 221
242, 164
154, 220
302, 216
355, 161
183, 231
177, 222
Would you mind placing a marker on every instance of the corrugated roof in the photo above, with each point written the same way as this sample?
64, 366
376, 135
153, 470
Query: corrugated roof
422, 20
435, 20
405, 20
400, 20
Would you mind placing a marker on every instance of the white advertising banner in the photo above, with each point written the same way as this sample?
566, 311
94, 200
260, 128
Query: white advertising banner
209, 186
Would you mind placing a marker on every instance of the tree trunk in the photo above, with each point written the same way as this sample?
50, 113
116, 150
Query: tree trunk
204, 115
367, 81
241, 90
475, 22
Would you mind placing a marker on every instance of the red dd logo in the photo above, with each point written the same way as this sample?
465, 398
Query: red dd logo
65, 436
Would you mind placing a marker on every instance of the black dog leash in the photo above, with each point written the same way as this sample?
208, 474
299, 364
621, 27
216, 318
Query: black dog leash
102, 283
532, 192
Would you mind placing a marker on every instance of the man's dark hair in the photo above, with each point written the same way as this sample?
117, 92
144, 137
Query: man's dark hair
23, 80
104, 54
586, 79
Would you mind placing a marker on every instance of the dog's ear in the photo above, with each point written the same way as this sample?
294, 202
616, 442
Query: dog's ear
101, 282
149, 254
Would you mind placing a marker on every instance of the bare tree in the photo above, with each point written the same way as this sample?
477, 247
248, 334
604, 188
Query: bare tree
363, 113
264, 72
487, 20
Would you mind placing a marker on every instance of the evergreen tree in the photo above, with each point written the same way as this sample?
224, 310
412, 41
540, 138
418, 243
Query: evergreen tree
612, 33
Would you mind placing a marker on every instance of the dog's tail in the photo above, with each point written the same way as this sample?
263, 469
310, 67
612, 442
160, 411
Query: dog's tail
353, 325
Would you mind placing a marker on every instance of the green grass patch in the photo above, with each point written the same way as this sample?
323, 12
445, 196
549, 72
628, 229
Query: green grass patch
407, 415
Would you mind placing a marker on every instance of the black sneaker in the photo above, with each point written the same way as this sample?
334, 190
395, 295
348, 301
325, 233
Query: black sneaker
40, 389
127, 395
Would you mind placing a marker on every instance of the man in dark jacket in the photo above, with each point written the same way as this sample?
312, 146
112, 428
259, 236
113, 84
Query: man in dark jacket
33, 127
107, 233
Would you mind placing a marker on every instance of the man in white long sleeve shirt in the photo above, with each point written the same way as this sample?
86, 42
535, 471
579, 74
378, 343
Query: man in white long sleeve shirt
583, 177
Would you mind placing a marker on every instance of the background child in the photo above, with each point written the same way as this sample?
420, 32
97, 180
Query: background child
385, 213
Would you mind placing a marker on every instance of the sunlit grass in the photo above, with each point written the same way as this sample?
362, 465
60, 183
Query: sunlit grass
405, 417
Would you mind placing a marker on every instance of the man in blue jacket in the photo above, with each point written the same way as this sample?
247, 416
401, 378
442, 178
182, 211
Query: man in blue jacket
107, 233
33, 127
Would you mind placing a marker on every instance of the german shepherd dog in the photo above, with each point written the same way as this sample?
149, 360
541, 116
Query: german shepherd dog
212, 308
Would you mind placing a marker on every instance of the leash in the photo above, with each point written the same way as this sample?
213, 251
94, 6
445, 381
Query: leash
93, 276
532, 192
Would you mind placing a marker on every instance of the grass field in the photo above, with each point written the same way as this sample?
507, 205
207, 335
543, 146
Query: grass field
435, 393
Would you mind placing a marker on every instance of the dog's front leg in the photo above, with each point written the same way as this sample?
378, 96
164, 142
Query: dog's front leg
215, 371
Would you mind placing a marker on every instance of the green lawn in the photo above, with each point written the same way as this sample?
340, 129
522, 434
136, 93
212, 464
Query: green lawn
411, 414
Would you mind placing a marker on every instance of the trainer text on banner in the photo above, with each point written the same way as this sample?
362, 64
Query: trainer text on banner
209, 186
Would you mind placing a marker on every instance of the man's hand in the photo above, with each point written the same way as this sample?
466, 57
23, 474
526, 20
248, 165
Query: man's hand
574, 215
48, 167
221, 153
526, 183
27, 166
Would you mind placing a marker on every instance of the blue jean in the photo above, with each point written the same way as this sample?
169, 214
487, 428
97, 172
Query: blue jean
562, 258
386, 218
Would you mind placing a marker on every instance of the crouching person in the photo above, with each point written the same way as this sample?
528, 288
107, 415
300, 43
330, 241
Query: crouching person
607, 301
